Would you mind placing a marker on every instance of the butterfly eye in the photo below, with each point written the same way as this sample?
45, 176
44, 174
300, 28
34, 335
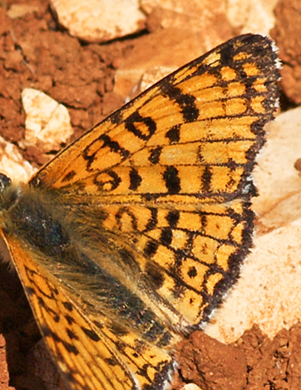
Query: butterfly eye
8, 193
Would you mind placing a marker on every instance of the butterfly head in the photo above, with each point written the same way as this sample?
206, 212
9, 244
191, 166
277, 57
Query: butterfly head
8, 193
5, 182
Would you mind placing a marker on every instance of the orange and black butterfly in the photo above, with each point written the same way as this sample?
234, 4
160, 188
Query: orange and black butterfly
129, 237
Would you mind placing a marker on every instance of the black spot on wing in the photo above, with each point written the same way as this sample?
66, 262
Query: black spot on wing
192, 273
206, 179
70, 320
49, 334
173, 218
186, 102
71, 334
172, 180
111, 183
90, 152
173, 134
124, 211
153, 220
114, 146
70, 175
142, 127
166, 236
70, 348
135, 180
151, 248
68, 306
91, 334
155, 155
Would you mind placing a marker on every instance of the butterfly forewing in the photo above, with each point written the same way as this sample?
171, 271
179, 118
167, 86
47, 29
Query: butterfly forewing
130, 236
90, 356
203, 117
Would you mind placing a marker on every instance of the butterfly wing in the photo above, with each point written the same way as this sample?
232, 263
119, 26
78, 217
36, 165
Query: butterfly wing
171, 174
88, 356
205, 120
155, 198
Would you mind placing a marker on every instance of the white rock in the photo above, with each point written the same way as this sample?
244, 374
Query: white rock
99, 20
13, 164
252, 16
275, 176
47, 122
19, 10
190, 386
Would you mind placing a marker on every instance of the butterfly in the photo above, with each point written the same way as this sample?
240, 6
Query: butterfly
126, 241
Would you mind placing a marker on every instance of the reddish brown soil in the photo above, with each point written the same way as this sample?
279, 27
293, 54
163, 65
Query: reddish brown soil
288, 38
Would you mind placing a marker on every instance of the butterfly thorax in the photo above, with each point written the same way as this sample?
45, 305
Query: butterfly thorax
35, 222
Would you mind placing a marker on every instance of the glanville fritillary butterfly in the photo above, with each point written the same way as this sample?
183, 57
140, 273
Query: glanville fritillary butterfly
128, 238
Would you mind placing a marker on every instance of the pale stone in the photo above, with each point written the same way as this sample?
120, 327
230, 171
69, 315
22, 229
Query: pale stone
252, 16
275, 175
99, 20
13, 164
200, 16
19, 10
47, 123
191, 386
